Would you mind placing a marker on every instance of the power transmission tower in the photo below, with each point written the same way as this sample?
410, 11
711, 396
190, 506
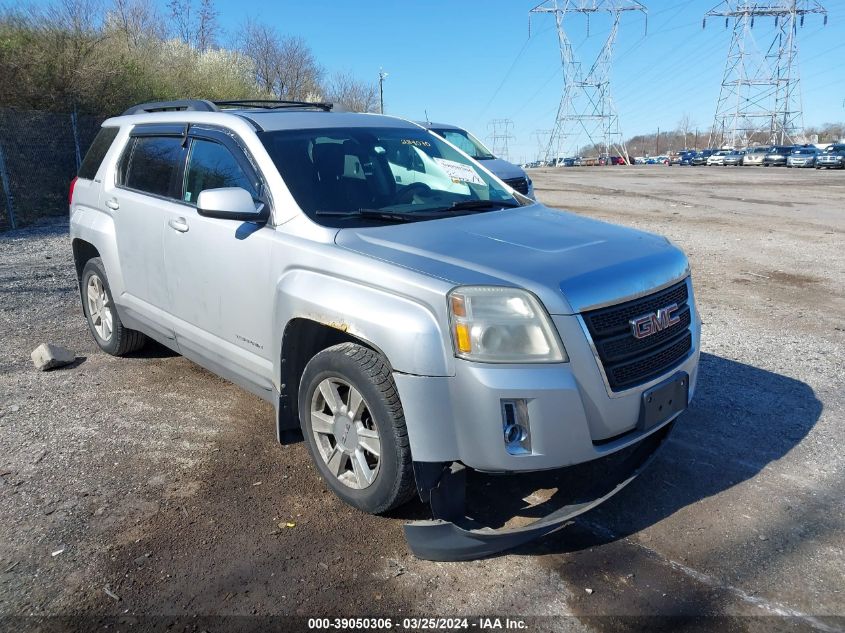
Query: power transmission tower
760, 99
544, 149
586, 114
499, 137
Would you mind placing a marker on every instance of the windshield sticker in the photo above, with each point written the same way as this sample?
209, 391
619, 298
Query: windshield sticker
459, 172
415, 142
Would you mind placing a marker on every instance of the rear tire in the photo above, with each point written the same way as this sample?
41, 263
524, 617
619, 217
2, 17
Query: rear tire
100, 313
354, 427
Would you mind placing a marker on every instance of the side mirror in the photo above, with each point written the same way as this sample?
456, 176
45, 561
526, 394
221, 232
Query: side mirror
231, 203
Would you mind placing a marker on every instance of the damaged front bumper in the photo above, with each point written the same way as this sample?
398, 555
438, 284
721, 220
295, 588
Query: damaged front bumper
465, 503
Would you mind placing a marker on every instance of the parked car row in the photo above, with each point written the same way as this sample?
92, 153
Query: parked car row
768, 156
577, 161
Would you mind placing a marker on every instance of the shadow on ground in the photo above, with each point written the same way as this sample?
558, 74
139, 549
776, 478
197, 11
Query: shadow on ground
741, 419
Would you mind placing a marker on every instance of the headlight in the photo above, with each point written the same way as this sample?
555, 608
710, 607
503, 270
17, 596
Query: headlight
494, 324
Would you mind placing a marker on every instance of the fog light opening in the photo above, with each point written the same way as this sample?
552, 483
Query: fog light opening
516, 427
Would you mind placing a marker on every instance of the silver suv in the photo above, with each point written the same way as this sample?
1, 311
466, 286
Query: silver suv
418, 322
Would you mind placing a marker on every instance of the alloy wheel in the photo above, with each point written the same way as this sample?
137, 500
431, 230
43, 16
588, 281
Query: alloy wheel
345, 433
99, 308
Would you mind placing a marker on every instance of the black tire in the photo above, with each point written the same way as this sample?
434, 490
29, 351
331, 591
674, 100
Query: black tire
369, 373
121, 340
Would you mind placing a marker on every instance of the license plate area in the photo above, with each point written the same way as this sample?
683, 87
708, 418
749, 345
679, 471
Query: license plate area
663, 401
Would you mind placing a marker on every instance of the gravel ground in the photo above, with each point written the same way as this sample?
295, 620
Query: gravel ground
147, 486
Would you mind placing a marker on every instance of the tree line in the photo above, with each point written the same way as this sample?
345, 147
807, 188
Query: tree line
101, 56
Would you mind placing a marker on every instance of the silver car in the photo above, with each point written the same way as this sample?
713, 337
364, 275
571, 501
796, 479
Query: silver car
734, 158
802, 157
513, 175
755, 155
717, 158
406, 312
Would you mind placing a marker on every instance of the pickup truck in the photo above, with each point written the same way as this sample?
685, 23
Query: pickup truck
409, 315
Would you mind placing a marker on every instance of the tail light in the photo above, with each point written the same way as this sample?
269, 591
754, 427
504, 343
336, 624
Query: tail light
70, 192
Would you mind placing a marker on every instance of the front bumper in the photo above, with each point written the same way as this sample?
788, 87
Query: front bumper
802, 163
453, 536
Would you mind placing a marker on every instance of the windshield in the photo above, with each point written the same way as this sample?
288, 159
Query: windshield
804, 151
466, 142
336, 175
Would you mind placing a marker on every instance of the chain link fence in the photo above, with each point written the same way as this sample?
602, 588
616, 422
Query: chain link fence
40, 153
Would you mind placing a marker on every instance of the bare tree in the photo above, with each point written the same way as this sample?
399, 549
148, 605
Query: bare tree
685, 126
261, 44
285, 67
299, 71
207, 28
353, 94
181, 20
137, 21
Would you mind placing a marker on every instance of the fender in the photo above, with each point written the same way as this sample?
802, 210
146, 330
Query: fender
406, 331
97, 228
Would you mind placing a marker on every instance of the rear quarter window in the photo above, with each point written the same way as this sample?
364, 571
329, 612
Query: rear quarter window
97, 152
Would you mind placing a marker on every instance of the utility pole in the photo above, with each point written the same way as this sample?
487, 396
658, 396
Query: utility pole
657, 144
381, 77
760, 99
586, 107
695, 147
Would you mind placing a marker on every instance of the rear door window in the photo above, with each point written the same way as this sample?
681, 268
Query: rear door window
212, 166
155, 166
97, 152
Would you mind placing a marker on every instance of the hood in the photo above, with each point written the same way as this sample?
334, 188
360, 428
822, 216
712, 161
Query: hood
571, 262
503, 169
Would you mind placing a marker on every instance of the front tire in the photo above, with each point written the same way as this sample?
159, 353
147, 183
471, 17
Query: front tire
354, 426
100, 312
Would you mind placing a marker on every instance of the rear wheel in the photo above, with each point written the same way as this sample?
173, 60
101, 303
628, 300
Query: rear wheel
103, 321
354, 427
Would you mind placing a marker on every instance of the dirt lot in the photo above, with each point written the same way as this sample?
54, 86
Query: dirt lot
147, 486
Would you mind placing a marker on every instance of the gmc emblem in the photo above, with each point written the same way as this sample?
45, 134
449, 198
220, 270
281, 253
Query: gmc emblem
649, 324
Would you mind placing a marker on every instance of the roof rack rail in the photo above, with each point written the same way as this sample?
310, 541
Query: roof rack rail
184, 105
203, 105
274, 104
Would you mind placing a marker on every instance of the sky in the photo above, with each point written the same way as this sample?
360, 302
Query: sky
467, 62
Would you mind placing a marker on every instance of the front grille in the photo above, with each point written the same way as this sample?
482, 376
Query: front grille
628, 361
520, 184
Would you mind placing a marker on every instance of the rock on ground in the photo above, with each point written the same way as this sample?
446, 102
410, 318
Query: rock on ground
49, 356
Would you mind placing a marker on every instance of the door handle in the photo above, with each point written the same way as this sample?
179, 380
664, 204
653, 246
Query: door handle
178, 224
113, 204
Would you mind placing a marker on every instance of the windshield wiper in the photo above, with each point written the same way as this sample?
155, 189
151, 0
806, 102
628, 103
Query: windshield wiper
377, 214
481, 204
